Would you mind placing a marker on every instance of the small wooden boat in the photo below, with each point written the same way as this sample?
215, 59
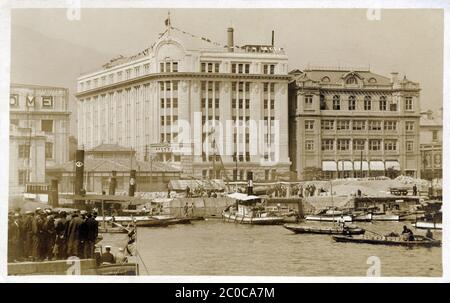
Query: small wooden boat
338, 230
327, 218
112, 230
392, 241
428, 225
237, 218
170, 220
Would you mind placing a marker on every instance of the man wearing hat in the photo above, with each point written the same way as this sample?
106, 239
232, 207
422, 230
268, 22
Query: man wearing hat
90, 235
107, 256
28, 235
60, 228
37, 231
72, 235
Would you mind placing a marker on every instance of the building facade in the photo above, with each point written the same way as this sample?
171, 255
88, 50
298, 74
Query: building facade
214, 111
346, 123
39, 136
431, 144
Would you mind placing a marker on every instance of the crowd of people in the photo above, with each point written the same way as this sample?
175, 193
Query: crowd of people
49, 235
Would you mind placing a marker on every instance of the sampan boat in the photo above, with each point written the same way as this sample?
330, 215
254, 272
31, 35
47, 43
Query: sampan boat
392, 241
337, 230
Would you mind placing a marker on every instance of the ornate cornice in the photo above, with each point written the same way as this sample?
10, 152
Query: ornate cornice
181, 76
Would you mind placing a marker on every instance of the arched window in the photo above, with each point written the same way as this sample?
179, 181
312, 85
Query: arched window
372, 80
367, 103
351, 80
336, 102
383, 103
351, 102
325, 79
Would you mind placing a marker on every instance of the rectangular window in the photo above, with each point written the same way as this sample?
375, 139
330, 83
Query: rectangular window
336, 103
359, 125
47, 126
390, 125
343, 125
374, 144
351, 103
174, 67
343, 144
367, 103
161, 67
409, 146
359, 144
327, 124
409, 125
22, 177
308, 102
24, 151
375, 125
408, 103
327, 144
435, 135
47, 102
48, 150
175, 102
309, 125
390, 145
309, 145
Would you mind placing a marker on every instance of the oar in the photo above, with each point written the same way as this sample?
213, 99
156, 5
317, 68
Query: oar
374, 232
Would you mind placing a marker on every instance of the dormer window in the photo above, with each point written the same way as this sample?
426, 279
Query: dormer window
326, 79
351, 80
372, 80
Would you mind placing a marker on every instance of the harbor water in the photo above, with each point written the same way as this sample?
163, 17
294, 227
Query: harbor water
213, 247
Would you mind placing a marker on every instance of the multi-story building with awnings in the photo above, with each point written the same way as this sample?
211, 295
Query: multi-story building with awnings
353, 123
186, 100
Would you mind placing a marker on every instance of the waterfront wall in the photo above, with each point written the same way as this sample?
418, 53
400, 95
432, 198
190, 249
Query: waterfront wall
60, 267
205, 207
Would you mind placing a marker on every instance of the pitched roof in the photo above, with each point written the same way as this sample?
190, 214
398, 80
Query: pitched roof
109, 148
119, 165
336, 76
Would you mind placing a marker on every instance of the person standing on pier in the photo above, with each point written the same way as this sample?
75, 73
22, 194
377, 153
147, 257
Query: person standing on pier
28, 235
415, 190
37, 235
192, 209
60, 227
72, 235
90, 236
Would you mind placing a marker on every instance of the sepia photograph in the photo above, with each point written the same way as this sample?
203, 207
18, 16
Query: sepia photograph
233, 141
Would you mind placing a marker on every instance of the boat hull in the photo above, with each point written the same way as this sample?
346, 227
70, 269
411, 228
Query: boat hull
384, 241
328, 218
362, 217
428, 225
252, 220
323, 230
384, 217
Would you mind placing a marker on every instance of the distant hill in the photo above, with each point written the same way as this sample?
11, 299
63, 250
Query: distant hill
41, 60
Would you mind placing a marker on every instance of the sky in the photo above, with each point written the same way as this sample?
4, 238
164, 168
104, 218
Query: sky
47, 48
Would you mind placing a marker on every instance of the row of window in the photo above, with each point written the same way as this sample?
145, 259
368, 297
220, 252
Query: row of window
337, 105
373, 125
24, 151
30, 101
112, 78
46, 125
358, 145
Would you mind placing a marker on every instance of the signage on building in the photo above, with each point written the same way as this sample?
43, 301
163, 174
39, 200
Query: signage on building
30, 101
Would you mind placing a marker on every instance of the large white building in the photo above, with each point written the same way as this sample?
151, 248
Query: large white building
163, 103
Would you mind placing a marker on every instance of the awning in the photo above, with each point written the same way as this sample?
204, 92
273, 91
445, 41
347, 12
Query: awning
376, 165
329, 166
345, 165
213, 184
357, 165
393, 165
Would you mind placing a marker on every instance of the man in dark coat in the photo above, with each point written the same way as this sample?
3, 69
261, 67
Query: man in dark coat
27, 231
60, 228
37, 235
90, 236
50, 235
72, 235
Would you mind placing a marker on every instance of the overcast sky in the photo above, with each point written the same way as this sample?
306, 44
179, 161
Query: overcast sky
407, 41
